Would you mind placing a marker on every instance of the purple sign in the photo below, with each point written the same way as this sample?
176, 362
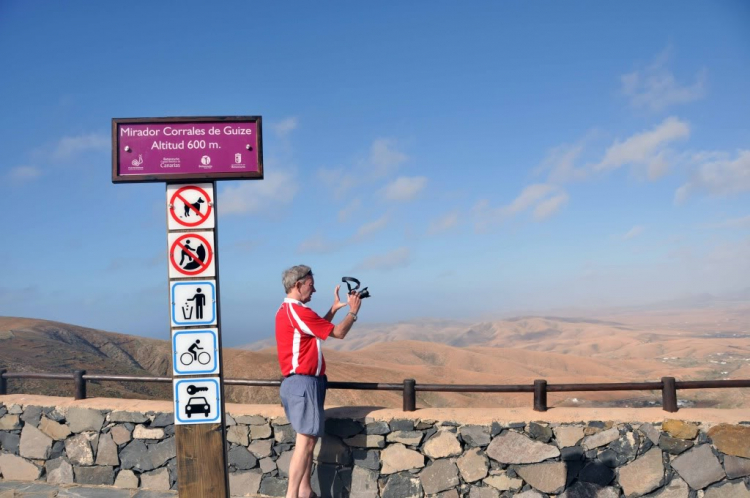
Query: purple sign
204, 148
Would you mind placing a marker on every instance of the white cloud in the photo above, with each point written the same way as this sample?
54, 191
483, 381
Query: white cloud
318, 243
69, 146
384, 158
346, 213
24, 173
654, 87
646, 148
550, 206
718, 175
444, 223
398, 258
286, 126
404, 188
369, 228
560, 162
633, 232
545, 199
278, 188
741, 222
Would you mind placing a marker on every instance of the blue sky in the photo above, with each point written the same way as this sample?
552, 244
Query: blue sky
463, 160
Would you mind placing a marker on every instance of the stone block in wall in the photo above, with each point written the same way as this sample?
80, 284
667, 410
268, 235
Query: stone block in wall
736, 467
590, 490
650, 432
244, 483
642, 475
699, 467
330, 449
156, 479
409, 438
15, 468
731, 439
251, 420
330, 480
100, 475
677, 488
163, 420
397, 458
503, 482
539, 432
443, 444
84, 419
402, 486
673, 445
378, 428
264, 431
31, 415
241, 458
34, 443
483, 492
548, 477
55, 430
439, 476
160, 452
283, 463
680, 429
728, 490
596, 472
369, 459
475, 435
366, 441
237, 434
401, 425
106, 453
9, 442
567, 436
282, 433
126, 479
143, 432
121, 434
267, 465
78, 449
344, 427
273, 486
513, 447
473, 465
132, 417
364, 483
135, 456
261, 448
15, 409
59, 471
600, 439
10, 422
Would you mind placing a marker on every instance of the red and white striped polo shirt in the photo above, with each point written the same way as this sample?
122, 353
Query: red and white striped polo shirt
300, 333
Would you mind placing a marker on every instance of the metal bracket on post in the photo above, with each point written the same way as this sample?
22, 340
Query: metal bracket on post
540, 395
669, 394
410, 395
80, 384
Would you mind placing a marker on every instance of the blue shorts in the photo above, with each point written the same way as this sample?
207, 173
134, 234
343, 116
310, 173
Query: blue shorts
303, 397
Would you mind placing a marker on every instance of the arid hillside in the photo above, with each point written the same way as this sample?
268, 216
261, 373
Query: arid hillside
514, 351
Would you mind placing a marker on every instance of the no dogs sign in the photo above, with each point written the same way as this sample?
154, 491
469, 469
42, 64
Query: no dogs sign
191, 254
190, 206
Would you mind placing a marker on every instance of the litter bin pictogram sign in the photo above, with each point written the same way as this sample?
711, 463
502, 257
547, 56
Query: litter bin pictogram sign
190, 206
193, 302
191, 255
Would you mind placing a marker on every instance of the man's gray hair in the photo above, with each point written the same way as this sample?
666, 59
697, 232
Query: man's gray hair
294, 275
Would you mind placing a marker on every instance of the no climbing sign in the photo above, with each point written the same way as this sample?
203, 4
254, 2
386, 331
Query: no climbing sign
191, 254
190, 206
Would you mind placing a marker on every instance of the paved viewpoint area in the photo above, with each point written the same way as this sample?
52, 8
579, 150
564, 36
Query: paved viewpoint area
19, 489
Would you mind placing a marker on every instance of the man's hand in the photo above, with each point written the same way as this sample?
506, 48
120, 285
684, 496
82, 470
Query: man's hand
354, 302
337, 304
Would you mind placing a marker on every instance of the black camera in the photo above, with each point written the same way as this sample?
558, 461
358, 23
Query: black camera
362, 293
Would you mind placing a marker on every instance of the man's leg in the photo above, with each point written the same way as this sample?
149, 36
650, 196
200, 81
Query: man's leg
305, 486
299, 467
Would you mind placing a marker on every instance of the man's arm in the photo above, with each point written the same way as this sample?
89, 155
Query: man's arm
345, 325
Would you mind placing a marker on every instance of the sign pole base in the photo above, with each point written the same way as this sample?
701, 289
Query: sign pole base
199, 476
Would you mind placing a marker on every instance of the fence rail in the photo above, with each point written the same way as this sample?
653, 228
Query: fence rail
668, 386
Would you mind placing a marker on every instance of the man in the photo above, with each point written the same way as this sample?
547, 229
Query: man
299, 336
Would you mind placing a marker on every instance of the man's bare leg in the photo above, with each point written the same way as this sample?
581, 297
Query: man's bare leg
305, 486
299, 467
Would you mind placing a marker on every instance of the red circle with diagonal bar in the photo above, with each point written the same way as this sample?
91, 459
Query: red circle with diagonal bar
178, 195
203, 264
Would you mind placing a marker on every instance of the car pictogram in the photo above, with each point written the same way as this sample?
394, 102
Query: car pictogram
197, 404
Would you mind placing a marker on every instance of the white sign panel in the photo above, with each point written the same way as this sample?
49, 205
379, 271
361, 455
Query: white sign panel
196, 401
191, 254
190, 206
193, 303
195, 351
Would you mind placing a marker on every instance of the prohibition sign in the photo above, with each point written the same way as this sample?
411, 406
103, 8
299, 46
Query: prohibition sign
190, 206
202, 265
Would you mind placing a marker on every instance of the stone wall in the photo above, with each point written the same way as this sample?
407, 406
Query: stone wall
396, 458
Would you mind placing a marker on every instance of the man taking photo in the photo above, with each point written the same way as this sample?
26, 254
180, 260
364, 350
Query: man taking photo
300, 333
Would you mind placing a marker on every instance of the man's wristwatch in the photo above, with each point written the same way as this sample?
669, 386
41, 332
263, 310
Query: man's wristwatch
353, 314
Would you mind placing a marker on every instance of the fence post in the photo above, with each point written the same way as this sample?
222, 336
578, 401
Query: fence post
80, 384
3, 382
669, 394
410, 395
540, 395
